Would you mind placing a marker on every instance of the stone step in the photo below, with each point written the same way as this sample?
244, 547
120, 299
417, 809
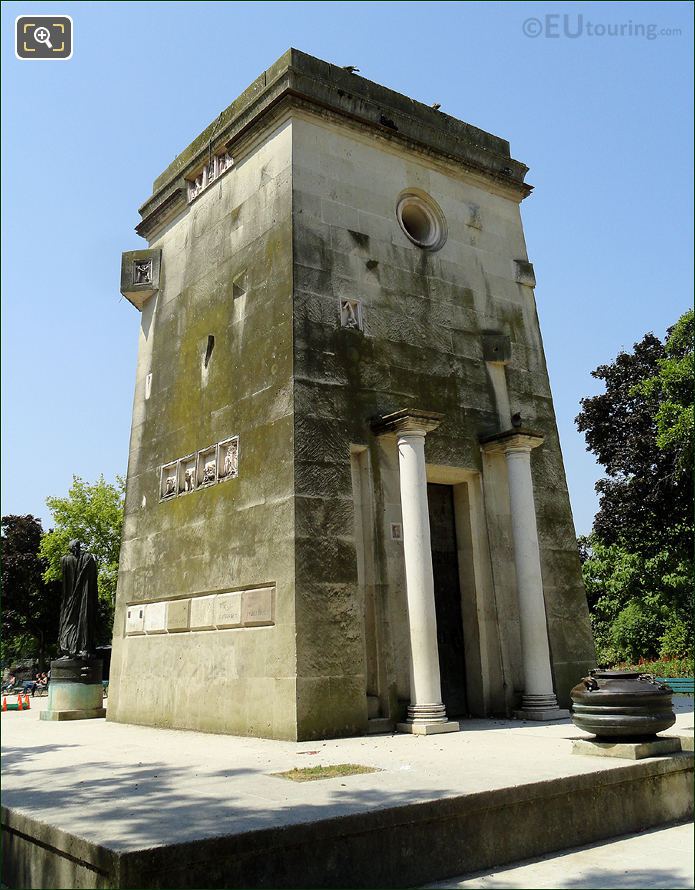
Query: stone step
408, 843
379, 724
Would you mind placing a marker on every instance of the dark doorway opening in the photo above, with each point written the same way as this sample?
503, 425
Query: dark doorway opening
447, 598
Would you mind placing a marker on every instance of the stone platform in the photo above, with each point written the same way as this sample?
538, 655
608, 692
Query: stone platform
96, 804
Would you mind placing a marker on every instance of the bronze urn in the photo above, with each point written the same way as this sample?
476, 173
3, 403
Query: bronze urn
622, 704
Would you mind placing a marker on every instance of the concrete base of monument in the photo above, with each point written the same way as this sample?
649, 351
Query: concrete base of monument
74, 701
627, 750
543, 715
81, 714
108, 805
429, 728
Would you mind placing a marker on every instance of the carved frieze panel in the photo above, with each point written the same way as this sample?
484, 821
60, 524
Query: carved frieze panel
186, 474
215, 167
228, 459
207, 466
140, 271
204, 468
168, 481
351, 314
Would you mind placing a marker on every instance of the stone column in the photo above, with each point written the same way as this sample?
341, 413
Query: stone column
426, 712
538, 701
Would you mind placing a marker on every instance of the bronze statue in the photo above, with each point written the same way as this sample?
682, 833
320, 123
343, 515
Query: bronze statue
78, 611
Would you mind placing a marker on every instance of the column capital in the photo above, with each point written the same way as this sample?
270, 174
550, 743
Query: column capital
407, 420
511, 440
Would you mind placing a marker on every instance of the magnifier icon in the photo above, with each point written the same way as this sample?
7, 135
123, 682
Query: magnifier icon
43, 35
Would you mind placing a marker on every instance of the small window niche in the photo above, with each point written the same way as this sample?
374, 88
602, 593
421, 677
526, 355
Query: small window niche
210, 345
167, 481
228, 459
397, 532
186, 474
421, 219
240, 285
207, 466
351, 314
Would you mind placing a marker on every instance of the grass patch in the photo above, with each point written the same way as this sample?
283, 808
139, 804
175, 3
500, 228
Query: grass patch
312, 773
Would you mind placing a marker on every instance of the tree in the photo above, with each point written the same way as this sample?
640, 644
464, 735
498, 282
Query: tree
31, 605
648, 491
92, 514
639, 606
637, 563
672, 385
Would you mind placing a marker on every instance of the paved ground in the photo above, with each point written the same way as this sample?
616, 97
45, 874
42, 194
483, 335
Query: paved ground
660, 858
148, 784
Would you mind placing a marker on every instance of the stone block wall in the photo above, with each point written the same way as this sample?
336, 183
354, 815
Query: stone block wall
226, 274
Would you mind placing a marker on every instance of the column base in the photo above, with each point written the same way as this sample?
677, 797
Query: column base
425, 728
540, 707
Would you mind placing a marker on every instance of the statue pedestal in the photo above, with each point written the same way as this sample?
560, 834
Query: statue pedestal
75, 691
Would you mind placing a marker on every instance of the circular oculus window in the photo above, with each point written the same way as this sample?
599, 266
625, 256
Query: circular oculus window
422, 220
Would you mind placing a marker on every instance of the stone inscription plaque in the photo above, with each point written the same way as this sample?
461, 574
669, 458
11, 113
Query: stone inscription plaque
228, 610
135, 620
156, 618
203, 612
257, 608
242, 608
177, 615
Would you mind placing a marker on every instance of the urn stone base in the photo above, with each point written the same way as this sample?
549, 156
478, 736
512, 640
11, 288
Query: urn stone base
635, 750
75, 691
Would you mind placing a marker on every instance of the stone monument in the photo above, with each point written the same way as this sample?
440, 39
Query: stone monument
346, 505
75, 691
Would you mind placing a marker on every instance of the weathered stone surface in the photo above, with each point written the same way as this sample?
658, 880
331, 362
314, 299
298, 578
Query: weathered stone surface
260, 261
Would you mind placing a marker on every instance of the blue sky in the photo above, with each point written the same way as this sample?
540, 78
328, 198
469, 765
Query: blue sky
604, 122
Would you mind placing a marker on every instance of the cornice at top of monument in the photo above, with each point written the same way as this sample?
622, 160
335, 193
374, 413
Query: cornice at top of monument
313, 82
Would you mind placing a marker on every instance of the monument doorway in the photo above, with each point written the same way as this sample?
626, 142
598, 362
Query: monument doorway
447, 597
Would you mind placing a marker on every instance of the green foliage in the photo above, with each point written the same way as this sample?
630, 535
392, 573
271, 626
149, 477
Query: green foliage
672, 385
640, 606
676, 639
31, 606
664, 667
92, 514
637, 563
